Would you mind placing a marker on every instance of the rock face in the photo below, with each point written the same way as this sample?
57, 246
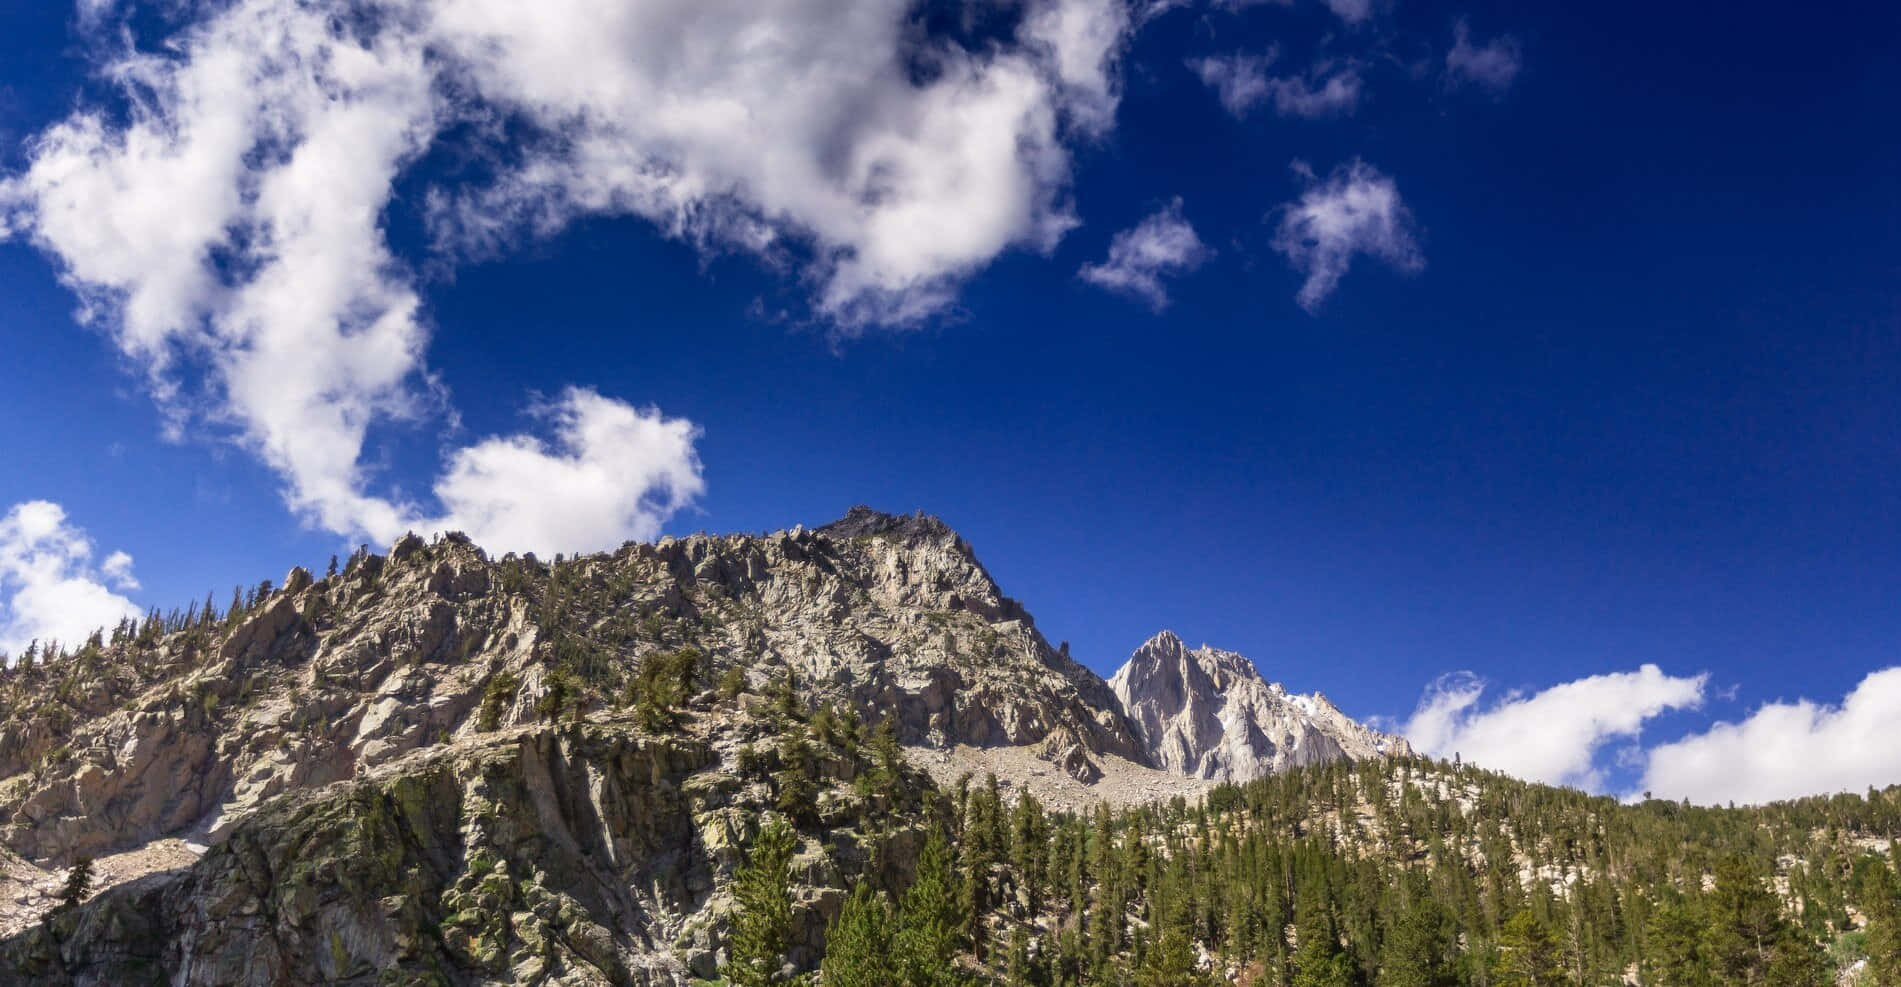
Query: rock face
183, 732
573, 855
1207, 713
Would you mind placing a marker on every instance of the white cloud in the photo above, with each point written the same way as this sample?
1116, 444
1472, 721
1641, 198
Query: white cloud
1242, 83
1788, 749
798, 122
1357, 210
49, 588
230, 231
118, 571
1551, 736
611, 468
1083, 41
1492, 65
1160, 246
226, 223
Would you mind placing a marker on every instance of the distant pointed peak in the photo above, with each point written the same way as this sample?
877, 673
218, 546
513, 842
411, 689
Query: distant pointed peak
1212, 660
1209, 713
1164, 639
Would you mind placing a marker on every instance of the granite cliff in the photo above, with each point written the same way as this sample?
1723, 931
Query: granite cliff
1208, 713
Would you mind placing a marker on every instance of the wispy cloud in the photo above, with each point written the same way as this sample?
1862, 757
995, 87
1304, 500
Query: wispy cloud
1552, 736
1356, 210
1239, 80
1350, 11
1242, 83
1142, 257
1492, 65
50, 589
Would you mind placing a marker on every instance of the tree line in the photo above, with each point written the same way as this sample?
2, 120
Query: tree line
1406, 872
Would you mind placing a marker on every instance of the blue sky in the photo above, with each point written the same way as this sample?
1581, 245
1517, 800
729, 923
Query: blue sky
1377, 341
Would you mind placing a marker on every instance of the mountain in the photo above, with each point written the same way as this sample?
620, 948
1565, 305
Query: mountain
436, 767
222, 768
1207, 713
181, 726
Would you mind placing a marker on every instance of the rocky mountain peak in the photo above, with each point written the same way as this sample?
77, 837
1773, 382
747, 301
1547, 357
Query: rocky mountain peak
183, 726
1208, 713
867, 522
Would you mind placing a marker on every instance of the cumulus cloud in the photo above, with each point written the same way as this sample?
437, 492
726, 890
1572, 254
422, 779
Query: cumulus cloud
1552, 736
49, 587
1356, 210
1492, 65
224, 220
1788, 749
797, 123
1242, 83
1160, 246
611, 468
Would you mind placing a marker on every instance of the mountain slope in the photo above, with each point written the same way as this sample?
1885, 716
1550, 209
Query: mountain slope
182, 726
596, 854
1207, 713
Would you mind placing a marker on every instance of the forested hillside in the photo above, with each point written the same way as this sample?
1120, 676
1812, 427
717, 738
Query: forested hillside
1403, 872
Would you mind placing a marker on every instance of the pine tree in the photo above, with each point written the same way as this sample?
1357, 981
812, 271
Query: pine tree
887, 756
561, 691
731, 683
1029, 837
1170, 962
1318, 959
786, 696
1674, 954
930, 922
858, 944
1419, 947
1884, 949
762, 920
665, 681
1796, 961
78, 884
824, 727
495, 699
798, 771
1746, 923
1881, 896
1529, 954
